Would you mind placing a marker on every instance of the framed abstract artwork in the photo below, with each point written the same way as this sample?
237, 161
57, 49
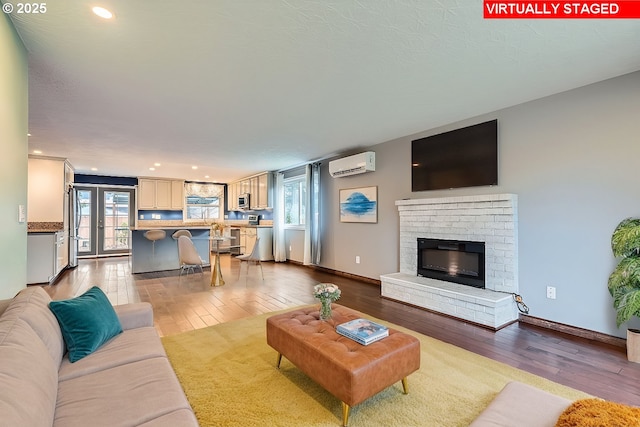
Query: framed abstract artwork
359, 204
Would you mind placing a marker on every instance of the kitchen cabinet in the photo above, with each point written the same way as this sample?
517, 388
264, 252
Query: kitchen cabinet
264, 189
159, 194
259, 187
253, 191
47, 256
62, 251
232, 197
177, 195
146, 194
248, 237
245, 186
48, 181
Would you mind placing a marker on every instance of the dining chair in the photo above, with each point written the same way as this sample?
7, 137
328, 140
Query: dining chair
254, 257
181, 233
188, 255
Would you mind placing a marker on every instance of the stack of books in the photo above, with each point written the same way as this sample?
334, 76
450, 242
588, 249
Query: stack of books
363, 331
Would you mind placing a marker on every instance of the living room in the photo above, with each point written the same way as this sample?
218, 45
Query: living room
569, 157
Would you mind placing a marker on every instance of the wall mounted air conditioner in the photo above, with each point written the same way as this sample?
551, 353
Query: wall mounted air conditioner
353, 165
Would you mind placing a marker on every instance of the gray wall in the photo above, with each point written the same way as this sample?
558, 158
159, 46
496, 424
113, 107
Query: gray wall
13, 162
571, 158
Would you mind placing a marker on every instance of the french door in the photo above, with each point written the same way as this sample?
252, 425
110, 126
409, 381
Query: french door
103, 216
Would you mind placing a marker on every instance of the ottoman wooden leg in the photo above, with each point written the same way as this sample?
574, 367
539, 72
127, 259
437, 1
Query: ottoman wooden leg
279, 360
405, 385
345, 414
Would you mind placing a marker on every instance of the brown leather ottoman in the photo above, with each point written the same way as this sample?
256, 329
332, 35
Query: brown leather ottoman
357, 372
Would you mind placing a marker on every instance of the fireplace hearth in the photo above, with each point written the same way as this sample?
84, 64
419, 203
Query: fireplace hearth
491, 219
452, 261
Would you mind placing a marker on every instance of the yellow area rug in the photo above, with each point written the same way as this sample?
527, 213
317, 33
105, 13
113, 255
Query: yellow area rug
229, 376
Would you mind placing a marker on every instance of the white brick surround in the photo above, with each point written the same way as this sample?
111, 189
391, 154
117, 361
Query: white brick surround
491, 219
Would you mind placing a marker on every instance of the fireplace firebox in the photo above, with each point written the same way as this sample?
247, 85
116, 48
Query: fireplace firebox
452, 260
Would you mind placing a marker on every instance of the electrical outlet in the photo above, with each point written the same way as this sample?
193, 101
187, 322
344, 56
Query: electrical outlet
357, 259
551, 292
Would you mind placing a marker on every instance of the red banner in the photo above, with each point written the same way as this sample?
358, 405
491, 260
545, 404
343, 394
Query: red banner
628, 9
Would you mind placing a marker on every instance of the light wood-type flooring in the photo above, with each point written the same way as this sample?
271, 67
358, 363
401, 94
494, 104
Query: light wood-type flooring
187, 302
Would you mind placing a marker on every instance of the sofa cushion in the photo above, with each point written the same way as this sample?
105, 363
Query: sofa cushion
87, 322
127, 395
28, 375
522, 405
180, 417
30, 305
134, 315
130, 346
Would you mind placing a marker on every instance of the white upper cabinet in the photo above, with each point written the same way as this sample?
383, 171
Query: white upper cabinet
47, 186
258, 187
177, 195
264, 191
163, 194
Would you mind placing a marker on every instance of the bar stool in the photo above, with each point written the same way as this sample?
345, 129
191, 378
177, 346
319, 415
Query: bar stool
153, 235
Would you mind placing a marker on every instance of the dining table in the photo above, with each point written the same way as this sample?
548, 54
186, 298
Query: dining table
214, 259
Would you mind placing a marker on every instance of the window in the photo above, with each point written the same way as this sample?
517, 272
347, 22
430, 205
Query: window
295, 199
203, 201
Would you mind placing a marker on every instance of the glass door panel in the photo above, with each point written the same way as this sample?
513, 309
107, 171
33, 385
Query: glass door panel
103, 217
85, 202
114, 219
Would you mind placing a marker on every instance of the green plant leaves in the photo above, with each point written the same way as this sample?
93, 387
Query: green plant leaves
625, 240
624, 287
628, 306
624, 282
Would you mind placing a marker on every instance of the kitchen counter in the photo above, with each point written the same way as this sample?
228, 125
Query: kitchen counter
170, 227
177, 225
162, 255
44, 227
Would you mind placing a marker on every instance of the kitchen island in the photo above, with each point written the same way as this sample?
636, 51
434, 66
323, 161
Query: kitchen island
147, 256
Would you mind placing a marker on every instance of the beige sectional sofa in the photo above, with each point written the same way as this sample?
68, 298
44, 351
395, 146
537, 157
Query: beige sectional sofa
128, 381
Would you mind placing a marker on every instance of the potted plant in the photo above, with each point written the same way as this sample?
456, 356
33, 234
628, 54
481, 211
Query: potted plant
624, 282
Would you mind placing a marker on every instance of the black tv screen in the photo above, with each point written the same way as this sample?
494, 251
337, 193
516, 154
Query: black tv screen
466, 157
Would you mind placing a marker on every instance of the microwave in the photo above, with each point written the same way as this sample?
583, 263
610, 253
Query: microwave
243, 201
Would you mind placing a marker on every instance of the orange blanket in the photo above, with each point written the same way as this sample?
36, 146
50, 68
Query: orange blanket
599, 413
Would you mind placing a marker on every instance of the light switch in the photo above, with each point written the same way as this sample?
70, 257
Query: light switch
22, 213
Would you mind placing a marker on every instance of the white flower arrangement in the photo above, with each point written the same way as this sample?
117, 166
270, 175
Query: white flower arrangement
326, 291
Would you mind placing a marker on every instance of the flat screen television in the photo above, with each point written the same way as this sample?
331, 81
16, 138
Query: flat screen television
466, 157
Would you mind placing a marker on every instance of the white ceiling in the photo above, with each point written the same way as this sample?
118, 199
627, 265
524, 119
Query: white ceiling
241, 86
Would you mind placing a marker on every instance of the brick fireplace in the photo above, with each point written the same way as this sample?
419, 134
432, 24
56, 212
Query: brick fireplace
490, 219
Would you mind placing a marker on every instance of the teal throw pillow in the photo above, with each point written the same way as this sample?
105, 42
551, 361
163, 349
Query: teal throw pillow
87, 322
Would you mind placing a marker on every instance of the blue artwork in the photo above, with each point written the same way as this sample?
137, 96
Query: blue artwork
359, 205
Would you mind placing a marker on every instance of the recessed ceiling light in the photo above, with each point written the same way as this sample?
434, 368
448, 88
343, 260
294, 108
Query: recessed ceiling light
206, 176
94, 169
37, 152
152, 169
194, 167
102, 12
157, 164
28, 134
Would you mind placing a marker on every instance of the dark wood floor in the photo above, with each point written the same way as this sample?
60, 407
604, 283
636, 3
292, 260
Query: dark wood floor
189, 302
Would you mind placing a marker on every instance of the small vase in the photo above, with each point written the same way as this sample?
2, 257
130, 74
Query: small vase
325, 309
